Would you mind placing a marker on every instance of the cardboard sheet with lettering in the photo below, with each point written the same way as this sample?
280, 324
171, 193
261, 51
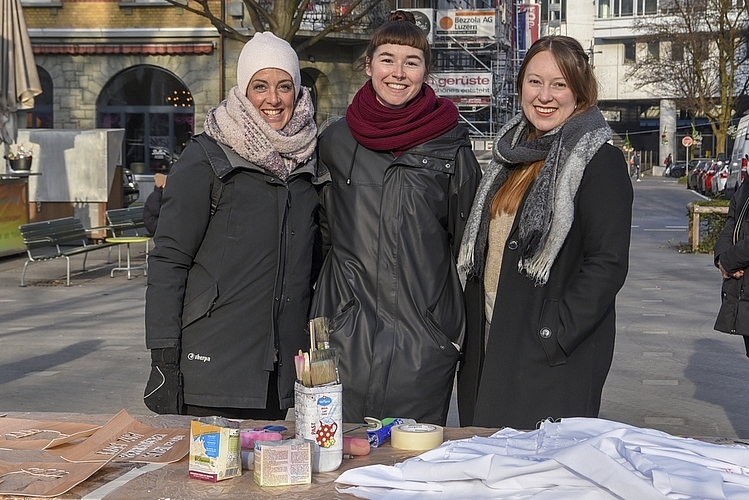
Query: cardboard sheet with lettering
40, 473
127, 440
24, 434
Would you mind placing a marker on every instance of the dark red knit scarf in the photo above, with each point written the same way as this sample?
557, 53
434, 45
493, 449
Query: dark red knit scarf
379, 128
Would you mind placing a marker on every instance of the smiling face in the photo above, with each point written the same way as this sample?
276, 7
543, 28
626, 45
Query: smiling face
397, 73
271, 91
547, 99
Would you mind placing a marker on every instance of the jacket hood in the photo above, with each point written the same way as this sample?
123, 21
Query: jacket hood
236, 162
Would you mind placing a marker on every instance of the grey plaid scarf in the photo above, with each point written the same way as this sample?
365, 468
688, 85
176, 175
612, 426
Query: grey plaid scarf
548, 212
236, 123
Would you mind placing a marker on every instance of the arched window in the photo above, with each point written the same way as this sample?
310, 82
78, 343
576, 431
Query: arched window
156, 110
40, 116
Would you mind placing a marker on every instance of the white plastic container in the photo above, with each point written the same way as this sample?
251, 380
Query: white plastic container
318, 413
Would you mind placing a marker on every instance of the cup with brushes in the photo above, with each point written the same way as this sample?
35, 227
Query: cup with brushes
319, 366
318, 396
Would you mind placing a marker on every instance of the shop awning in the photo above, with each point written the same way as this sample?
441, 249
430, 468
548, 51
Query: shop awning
169, 49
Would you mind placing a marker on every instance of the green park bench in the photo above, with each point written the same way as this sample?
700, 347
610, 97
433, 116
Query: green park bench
56, 239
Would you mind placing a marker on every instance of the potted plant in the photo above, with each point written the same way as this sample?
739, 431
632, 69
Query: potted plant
20, 157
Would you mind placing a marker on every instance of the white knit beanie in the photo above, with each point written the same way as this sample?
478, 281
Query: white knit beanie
266, 50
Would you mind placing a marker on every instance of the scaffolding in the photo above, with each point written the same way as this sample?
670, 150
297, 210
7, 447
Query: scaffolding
478, 61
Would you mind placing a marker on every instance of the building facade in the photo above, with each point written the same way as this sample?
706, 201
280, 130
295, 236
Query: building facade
650, 119
155, 69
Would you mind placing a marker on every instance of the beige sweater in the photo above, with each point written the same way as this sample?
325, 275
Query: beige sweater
499, 230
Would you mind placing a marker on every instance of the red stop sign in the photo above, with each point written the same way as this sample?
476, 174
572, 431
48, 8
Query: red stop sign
686, 141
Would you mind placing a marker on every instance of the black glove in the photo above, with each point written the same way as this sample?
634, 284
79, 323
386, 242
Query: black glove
163, 392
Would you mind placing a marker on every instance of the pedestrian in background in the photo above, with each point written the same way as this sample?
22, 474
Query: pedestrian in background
545, 251
731, 254
402, 179
636, 164
230, 277
152, 206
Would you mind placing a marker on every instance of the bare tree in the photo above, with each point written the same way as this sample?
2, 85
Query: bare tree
285, 18
702, 60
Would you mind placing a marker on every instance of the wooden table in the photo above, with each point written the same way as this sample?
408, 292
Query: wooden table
171, 481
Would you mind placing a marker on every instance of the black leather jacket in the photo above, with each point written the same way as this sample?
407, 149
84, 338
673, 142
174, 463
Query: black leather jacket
392, 228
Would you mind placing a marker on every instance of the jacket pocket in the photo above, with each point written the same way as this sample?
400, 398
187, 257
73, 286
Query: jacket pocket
548, 333
440, 339
198, 306
730, 306
342, 323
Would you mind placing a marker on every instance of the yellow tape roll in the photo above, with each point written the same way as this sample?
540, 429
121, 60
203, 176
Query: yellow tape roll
416, 437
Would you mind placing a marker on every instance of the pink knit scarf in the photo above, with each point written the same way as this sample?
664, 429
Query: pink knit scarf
236, 123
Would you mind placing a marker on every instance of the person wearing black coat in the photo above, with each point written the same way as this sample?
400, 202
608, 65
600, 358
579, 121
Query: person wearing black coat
402, 179
230, 277
731, 253
545, 252
152, 206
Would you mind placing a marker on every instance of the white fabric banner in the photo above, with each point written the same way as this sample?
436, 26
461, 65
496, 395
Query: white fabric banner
573, 459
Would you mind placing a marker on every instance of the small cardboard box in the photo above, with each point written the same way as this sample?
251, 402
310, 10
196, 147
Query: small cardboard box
214, 452
282, 463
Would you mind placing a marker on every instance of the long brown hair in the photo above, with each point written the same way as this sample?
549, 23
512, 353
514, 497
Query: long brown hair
508, 197
573, 63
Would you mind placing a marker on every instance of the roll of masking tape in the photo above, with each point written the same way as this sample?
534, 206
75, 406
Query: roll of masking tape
416, 437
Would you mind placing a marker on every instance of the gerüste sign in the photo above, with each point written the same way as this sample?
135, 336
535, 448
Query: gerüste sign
461, 84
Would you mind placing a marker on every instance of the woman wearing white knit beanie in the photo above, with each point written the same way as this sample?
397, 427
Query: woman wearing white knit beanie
230, 278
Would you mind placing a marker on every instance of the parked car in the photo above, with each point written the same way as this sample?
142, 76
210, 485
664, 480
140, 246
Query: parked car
676, 170
720, 179
737, 172
130, 188
739, 161
696, 167
706, 178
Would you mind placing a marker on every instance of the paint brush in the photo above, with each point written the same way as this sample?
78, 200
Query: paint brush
299, 365
306, 374
322, 338
324, 366
312, 341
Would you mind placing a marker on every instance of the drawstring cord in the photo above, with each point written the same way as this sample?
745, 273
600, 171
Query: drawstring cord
351, 167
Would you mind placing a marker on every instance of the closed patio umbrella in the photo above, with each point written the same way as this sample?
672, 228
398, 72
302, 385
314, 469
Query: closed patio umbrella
19, 80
